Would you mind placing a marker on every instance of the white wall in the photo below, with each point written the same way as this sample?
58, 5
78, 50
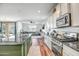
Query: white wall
18, 30
75, 14
27, 27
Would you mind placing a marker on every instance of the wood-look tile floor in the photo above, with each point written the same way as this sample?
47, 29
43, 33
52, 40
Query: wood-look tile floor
35, 49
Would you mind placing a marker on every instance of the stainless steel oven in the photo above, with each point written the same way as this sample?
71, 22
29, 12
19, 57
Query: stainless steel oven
57, 47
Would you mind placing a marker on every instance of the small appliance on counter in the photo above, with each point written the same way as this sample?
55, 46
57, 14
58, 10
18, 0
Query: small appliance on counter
65, 36
56, 34
53, 34
56, 45
71, 37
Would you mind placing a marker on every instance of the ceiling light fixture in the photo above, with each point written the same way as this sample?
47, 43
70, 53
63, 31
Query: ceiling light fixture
38, 11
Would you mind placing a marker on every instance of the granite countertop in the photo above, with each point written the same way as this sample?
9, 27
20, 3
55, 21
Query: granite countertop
74, 44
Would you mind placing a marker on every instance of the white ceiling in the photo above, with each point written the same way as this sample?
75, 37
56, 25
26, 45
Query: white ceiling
25, 11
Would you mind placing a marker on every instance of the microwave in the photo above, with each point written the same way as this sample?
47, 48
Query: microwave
64, 20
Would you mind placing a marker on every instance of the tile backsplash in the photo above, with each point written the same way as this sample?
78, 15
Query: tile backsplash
68, 29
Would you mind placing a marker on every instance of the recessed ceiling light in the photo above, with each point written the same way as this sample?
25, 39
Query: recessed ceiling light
38, 17
38, 11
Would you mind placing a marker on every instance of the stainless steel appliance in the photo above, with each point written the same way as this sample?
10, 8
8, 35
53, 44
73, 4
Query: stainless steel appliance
59, 38
57, 47
64, 20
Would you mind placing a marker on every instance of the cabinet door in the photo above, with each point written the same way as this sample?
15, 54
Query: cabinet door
75, 14
10, 50
67, 51
56, 14
47, 41
27, 45
65, 8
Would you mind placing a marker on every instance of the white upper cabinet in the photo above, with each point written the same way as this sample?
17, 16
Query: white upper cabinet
75, 14
65, 8
55, 15
58, 10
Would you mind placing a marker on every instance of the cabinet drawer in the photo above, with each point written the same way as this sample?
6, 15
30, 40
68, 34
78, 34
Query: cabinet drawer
69, 51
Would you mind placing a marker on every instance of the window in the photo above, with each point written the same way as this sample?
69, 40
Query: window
8, 31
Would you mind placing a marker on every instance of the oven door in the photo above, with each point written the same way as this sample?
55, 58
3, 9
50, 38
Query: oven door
58, 50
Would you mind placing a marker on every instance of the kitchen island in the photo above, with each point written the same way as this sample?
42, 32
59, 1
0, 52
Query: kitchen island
15, 48
11, 49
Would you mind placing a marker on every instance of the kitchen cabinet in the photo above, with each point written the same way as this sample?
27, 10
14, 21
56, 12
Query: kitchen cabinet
65, 8
11, 50
75, 14
54, 20
55, 15
47, 41
73, 9
50, 20
67, 51
28, 43
58, 10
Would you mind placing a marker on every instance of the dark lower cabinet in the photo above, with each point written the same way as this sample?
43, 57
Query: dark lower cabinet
10, 50
16, 50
